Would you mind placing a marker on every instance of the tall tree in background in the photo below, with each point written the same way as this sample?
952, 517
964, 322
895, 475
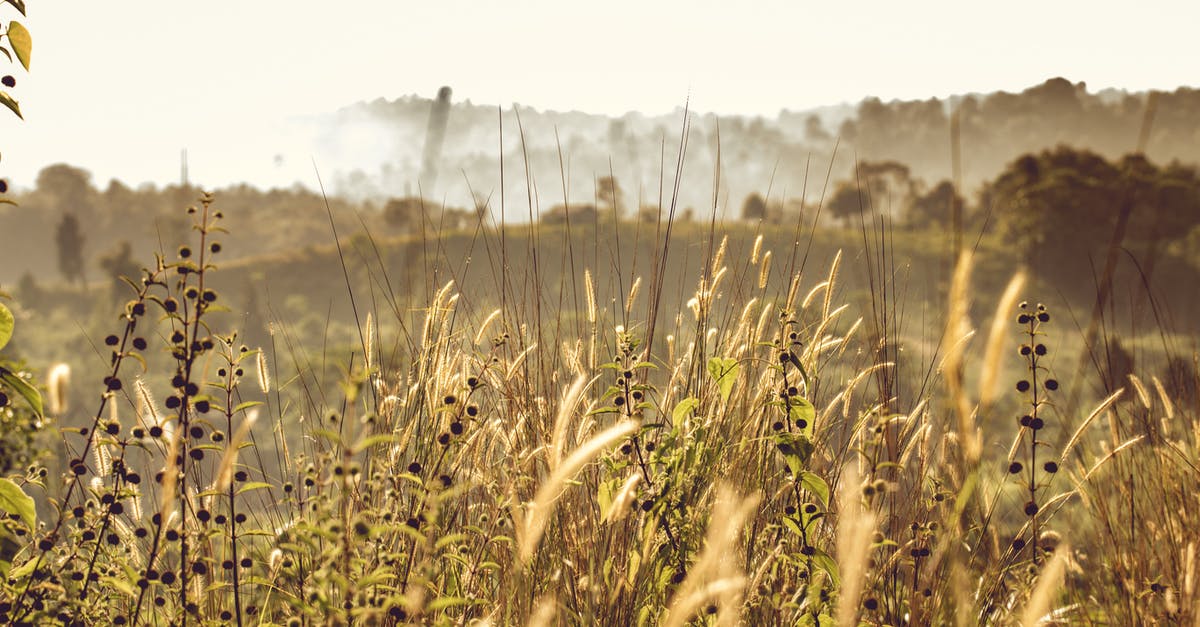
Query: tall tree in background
608, 194
69, 239
754, 207
119, 262
933, 207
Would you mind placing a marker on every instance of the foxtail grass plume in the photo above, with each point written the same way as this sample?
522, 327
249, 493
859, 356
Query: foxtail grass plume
764, 271
716, 577
544, 612
591, 296
229, 459
148, 413
58, 383
854, 528
369, 343
538, 513
958, 331
995, 341
1048, 583
264, 373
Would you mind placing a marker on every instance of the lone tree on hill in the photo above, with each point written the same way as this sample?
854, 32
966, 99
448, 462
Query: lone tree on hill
69, 238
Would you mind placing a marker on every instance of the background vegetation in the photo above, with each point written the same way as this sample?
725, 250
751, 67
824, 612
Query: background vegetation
890, 402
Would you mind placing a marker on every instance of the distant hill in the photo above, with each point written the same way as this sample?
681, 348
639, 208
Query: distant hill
379, 144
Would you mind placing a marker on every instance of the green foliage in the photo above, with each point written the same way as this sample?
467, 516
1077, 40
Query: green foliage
724, 373
6, 325
21, 42
16, 502
400, 487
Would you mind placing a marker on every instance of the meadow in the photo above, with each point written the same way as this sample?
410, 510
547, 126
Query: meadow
527, 424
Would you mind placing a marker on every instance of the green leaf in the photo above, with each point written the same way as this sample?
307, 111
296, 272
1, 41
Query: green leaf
792, 525
253, 485
6, 53
826, 563
605, 494
724, 371
24, 570
371, 441
448, 602
816, 485
6, 325
683, 410
796, 450
245, 405
22, 43
803, 414
8, 101
14, 501
120, 585
22, 387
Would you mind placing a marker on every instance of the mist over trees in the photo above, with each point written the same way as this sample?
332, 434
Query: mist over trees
788, 154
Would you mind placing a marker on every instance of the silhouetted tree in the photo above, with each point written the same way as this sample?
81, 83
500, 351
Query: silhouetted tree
608, 194
119, 263
933, 207
846, 202
69, 239
754, 207
404, 214
69, 187
814, 130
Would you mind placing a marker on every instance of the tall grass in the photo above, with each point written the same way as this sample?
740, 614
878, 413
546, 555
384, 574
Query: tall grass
743, 451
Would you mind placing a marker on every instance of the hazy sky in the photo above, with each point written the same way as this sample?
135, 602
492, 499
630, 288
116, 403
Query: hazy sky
120, 87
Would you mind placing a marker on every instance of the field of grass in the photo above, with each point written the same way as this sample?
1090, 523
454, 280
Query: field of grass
665, 424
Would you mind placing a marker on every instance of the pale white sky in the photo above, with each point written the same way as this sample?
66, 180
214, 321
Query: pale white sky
120, 87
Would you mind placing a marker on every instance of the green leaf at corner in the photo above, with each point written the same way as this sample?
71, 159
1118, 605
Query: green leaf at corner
724, 371
22, 43
6, 325
14, 501
22, 387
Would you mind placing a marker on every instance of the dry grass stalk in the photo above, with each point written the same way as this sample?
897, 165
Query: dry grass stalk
538, 513
1049, 582
995, 341
958, 329
854, 528
715, 576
